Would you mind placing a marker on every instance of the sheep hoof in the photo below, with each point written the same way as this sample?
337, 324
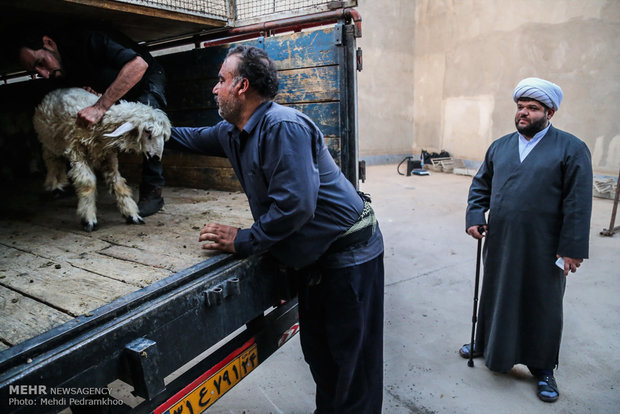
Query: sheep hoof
89, 225
134, 220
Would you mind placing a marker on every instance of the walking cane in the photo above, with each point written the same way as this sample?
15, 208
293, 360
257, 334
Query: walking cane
474, 317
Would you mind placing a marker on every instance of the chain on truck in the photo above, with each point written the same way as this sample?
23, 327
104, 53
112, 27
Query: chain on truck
136, 308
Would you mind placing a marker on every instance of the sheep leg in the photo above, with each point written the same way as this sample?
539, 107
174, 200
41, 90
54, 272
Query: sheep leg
118, 186
56, 179
85, 183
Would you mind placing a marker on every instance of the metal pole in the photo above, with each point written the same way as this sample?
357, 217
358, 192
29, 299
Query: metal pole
611, 230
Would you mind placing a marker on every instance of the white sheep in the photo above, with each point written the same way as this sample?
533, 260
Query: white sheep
126, 126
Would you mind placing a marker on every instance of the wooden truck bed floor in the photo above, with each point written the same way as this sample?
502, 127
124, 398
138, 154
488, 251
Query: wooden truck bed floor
52, 271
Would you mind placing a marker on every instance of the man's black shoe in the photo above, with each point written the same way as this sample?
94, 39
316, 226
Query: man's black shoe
464, 351
150, 201
547, 389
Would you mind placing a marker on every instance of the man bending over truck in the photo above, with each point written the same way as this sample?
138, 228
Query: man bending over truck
308, 216
106, 63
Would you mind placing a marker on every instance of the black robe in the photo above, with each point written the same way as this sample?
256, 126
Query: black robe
537, 208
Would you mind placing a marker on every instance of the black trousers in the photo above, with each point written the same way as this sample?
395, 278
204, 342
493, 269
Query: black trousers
341, 332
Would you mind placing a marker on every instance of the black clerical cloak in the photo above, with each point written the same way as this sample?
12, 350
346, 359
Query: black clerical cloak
538, 208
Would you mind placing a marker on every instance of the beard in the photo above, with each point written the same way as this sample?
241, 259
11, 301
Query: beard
533, 128
228, 110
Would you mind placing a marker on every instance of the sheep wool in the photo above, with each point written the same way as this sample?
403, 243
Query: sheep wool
126, 126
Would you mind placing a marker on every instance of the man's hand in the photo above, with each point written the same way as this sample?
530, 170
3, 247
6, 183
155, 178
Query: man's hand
127, 78
473, 232
571, 265
89, 116
220, 236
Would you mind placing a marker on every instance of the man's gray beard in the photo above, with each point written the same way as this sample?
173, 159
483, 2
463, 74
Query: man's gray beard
226, 117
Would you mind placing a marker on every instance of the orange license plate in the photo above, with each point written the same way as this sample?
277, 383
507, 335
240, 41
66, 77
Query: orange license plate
209, 387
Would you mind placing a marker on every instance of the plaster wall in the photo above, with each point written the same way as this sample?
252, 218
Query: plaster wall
385, 85
439, 74
470, 54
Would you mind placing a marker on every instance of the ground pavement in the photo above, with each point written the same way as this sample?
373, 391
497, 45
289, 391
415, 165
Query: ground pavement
430, 268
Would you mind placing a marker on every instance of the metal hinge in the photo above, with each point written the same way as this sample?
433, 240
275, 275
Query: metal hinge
362, 171
359, 59
215, 295
338, 34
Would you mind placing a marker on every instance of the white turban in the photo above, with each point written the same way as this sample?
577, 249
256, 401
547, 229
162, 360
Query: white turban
541, 90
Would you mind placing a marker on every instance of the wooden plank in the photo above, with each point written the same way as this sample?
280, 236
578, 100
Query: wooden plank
149, 258
80, 251
128, 272
334, 146
57, 283
47, 243
230, 208
316, 84
95, 268
160, 13
170, 240
223, 179
309, 85
23, 317
184, 169
303, 49
288, 51
325, 115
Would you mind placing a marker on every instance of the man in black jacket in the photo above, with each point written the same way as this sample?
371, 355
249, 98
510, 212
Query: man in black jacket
107, 63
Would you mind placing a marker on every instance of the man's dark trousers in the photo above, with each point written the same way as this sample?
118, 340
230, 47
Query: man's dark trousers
341, 332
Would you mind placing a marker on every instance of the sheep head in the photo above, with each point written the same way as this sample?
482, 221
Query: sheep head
150, 132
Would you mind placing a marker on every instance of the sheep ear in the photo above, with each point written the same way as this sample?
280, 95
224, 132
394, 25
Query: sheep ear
126, 127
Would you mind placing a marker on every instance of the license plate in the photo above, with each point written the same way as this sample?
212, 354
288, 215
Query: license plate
209, 387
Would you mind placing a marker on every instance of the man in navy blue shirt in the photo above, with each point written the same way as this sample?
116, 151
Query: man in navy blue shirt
310, 218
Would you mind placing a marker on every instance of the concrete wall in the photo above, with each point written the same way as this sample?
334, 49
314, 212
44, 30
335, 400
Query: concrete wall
385, 85
467, 57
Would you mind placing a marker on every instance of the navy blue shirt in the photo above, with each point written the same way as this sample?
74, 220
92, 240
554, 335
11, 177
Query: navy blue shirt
300, 200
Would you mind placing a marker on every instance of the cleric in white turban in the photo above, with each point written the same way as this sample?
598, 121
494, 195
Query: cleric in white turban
532, 196
545, 92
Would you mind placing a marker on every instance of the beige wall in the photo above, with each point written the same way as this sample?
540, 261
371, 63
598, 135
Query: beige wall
385, 85
467, 57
